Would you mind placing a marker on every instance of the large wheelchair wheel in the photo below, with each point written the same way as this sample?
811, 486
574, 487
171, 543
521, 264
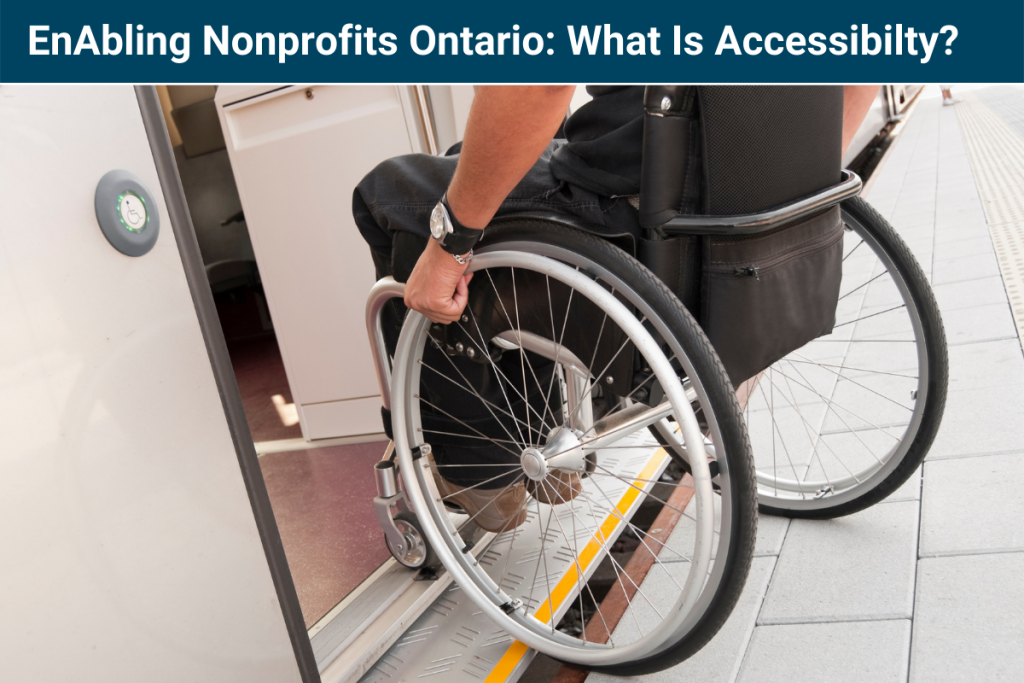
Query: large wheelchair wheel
843, 422
568, 352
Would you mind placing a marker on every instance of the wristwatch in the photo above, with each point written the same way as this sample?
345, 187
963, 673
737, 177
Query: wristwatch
454, 237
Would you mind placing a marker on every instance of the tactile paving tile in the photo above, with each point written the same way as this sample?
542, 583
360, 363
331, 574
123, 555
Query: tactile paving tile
996, 152
454, 641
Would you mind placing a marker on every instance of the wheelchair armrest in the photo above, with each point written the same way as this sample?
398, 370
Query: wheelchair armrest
752, 223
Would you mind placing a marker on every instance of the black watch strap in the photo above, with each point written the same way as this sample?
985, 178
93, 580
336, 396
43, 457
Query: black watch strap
462, 239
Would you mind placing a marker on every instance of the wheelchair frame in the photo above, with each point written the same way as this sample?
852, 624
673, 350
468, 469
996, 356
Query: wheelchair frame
660, 102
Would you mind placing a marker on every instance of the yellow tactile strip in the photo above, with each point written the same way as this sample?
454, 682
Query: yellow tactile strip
996, 152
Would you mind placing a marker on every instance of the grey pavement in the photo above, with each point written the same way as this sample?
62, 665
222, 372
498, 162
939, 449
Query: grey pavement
929, 584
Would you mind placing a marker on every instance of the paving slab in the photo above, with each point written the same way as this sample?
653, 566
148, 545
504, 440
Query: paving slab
907, 220
970, 294
971, 246
968, 624
973, 505
980, 421
978, 324
957, 201
987, 364
973, 227
873, 651
720, 659
964, 268
962, 215
855, 568
771, 532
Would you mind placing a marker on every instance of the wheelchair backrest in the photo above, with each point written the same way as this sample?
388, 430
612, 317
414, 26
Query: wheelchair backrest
768, 145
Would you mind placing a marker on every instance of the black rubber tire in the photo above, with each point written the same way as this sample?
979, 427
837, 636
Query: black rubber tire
430, 561
721, 397
938, 366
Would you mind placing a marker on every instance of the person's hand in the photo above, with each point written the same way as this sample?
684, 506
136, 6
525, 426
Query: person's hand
438, 286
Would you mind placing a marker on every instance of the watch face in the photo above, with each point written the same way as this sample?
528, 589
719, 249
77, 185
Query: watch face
438, 226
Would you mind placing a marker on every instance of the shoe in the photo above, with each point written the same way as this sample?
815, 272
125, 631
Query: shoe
951, 100
557, 488
494, 510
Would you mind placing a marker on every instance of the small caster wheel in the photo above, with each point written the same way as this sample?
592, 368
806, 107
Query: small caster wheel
417, 551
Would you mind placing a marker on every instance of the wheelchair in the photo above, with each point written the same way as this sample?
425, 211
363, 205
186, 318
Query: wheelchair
681, 387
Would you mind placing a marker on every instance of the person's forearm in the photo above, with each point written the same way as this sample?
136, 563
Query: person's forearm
507, 130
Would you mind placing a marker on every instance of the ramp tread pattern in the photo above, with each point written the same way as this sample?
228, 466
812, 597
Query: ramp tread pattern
455, 642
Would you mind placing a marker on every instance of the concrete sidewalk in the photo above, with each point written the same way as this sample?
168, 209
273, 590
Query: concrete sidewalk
928, 585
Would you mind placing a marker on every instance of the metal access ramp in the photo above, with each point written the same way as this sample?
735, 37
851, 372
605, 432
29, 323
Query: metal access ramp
440, 632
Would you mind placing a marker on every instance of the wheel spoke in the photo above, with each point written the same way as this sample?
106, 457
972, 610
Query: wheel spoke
859, 287
678, 485
813, 435
850, 430
598, 377
463, 489
522, 353
830, 403
515, 481
846, 367
503, 447
570, 543
486, 403
630, 483
497, 371
481, 398
816, 438
641, 534
465, 436
480, 464
870, 315
620, 569
865, 388
524, 360
850, 253
776, 430
482, 348
603, 541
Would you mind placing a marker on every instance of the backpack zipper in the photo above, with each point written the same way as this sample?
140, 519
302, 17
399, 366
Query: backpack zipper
755, 270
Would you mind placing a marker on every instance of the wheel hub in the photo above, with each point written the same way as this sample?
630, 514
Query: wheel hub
564, 451
534, 465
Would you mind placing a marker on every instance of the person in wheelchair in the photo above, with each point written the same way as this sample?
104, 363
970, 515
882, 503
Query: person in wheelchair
422, 215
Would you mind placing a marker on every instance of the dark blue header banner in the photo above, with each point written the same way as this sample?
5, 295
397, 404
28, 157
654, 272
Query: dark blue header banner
522, 42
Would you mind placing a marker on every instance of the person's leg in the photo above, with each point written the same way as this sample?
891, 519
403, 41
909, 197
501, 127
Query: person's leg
857, 100
947, 96
399, 194
392, 206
